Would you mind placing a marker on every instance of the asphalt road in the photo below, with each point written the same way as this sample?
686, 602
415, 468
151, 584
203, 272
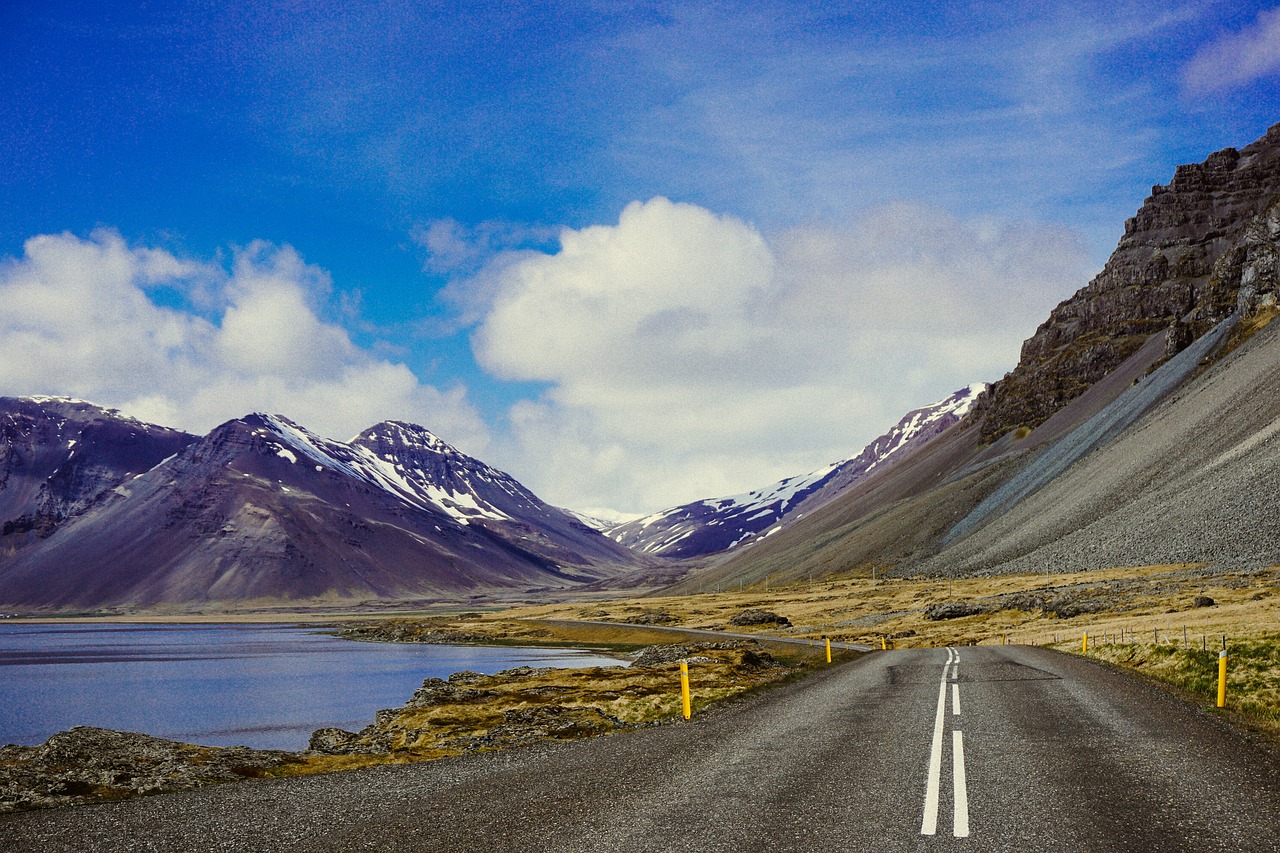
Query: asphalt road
1043, 752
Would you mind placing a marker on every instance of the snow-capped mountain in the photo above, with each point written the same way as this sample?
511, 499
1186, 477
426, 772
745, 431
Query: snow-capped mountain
718, 524
263, 509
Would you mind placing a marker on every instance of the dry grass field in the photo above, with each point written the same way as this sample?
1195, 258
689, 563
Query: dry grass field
1033, 609
1152, 619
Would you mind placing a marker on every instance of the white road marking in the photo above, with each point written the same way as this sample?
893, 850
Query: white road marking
929, 824
961, 812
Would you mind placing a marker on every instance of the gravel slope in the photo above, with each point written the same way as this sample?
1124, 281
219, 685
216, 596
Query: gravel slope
1191, 481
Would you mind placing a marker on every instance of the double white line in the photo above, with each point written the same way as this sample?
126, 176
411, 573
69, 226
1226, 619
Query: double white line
960, 816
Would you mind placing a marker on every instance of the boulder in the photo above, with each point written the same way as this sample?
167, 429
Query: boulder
760, 617
952, 610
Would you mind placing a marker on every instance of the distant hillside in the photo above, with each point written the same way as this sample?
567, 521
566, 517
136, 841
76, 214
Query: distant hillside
58, 456
719, 524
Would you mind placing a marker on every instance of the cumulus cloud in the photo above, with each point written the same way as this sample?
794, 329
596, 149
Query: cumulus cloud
81, 319
689, 355
1235, 59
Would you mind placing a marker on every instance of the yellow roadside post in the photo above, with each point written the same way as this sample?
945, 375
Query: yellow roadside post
884, 643
1084, 644
828, 639
684, 689
1222, 678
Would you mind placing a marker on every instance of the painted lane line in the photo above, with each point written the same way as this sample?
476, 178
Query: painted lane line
960, 817
955, 699
929, 823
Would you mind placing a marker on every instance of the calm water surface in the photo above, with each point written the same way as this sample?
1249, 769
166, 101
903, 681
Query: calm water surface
265, 686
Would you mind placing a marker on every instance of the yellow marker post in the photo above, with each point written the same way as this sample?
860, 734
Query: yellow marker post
828, 639
684, 689
1084, 644
1222, 678
884, 643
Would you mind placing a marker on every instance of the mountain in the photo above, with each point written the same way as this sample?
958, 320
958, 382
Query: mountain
1137, 428
719, 524
261, 510
1179, 269
58, 456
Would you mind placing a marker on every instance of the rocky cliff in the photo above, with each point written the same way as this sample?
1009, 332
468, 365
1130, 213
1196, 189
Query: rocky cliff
1199, 247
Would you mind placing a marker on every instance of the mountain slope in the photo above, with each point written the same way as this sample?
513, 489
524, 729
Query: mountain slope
719, 524
58, 455
262, 510
1192, 481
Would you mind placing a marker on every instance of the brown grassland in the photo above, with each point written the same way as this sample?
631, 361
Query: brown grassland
1143, 618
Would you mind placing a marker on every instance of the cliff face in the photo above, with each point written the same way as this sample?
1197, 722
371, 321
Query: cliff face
1198, 249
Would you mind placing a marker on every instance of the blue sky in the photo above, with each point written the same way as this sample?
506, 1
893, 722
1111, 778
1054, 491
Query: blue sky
634, 253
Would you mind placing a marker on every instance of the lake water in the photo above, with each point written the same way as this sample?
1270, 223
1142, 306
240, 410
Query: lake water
265, 686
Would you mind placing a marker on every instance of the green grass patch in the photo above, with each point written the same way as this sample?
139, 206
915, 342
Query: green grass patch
1253, 673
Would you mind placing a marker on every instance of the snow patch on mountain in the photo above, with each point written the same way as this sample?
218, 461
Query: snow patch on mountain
393, 472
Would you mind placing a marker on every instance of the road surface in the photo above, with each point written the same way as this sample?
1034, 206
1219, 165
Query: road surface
977, 748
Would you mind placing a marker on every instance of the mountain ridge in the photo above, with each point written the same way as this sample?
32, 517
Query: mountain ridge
715, 525
1178, 270
260, 509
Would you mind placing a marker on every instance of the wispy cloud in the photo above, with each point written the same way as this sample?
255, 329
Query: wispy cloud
457, 249
1235, 59
786, 117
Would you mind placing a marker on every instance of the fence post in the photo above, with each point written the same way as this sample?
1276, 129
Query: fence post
685, 702
1222, 678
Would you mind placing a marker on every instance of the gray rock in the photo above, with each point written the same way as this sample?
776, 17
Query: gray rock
952, 610
332, 741
85, 764
650, 617
759, 617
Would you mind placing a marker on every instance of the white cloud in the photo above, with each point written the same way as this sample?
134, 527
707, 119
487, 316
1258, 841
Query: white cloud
79, 320
690, 356
1235, 59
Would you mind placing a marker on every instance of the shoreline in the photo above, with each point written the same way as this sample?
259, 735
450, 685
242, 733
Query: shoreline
464, 714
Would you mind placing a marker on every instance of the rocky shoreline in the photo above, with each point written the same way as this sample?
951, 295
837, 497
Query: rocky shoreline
469, 712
